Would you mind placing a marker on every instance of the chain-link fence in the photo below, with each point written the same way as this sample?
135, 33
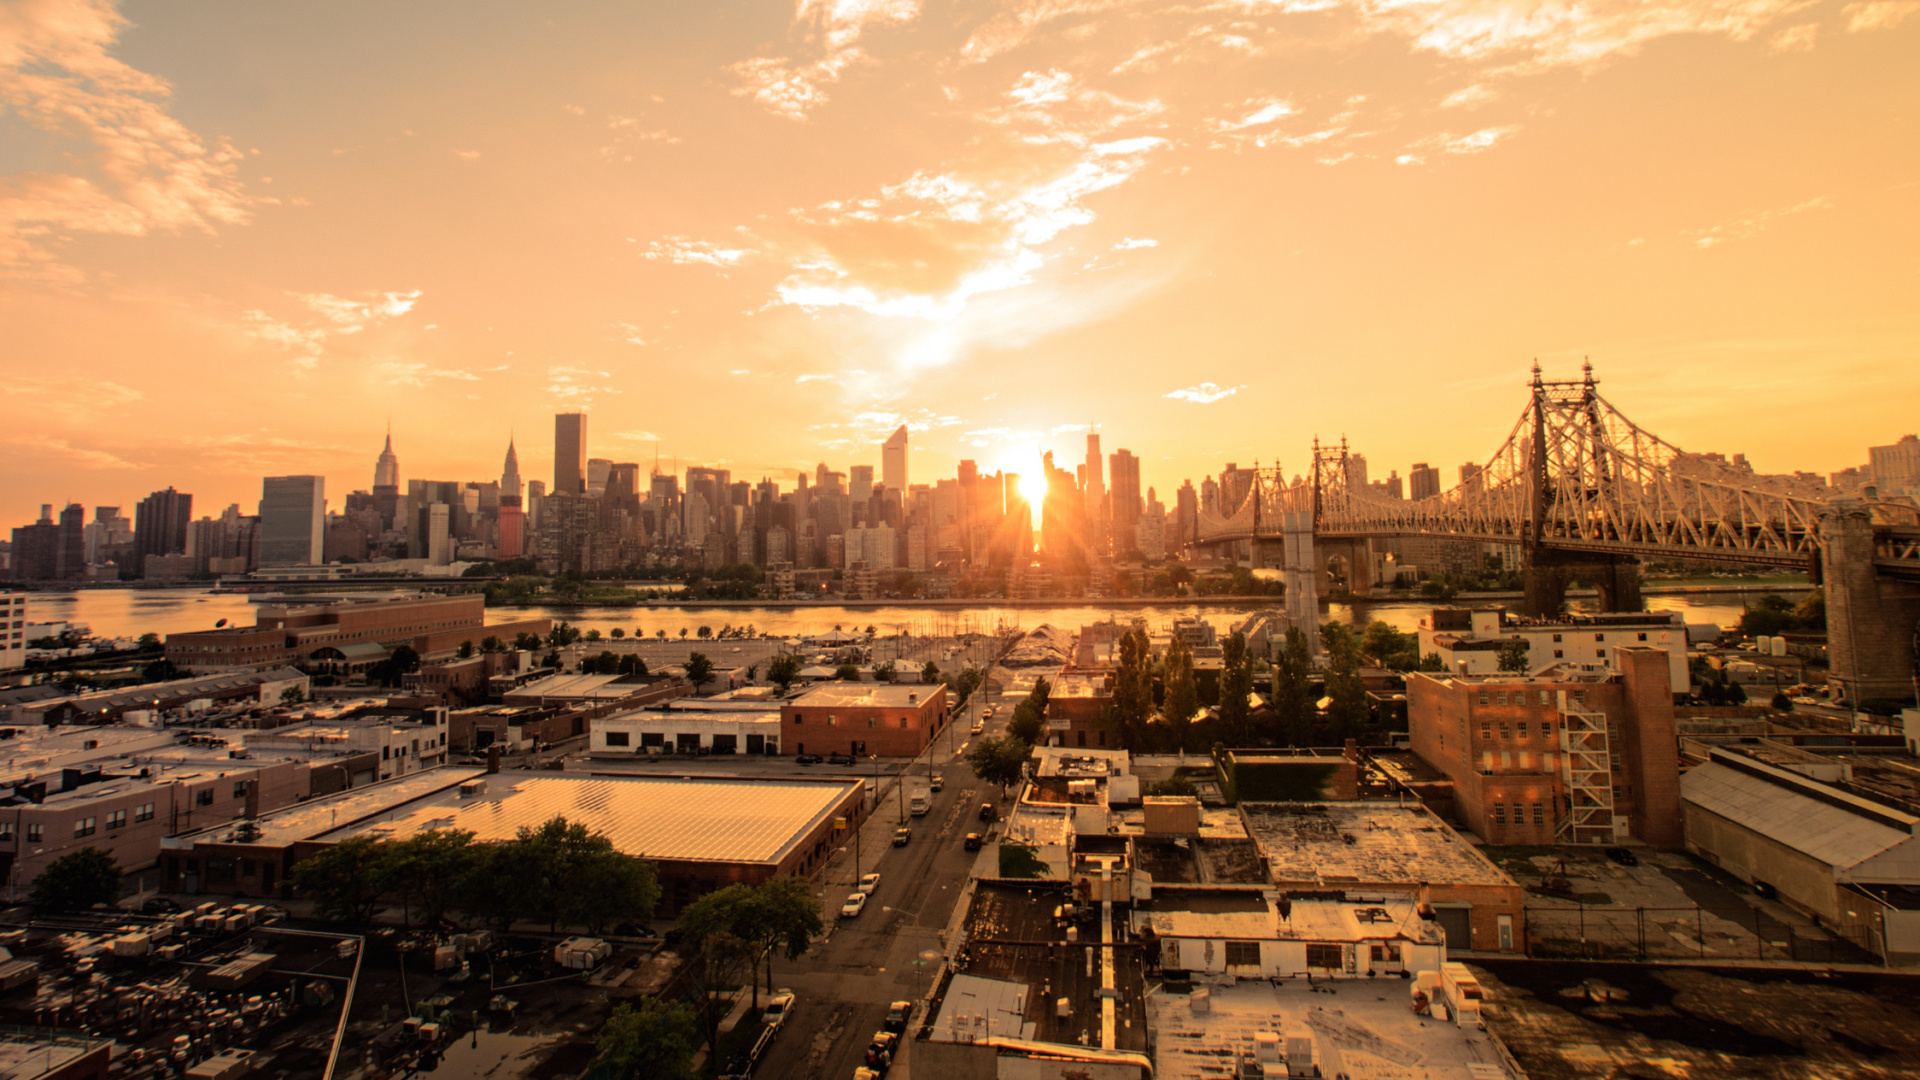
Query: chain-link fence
1618, 933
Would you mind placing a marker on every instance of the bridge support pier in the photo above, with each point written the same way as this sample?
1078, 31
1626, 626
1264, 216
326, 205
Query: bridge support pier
1358, 555
1302, 568
1547, 573
1871, 619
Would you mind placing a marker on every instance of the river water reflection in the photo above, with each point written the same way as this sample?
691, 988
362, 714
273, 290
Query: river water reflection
132, 612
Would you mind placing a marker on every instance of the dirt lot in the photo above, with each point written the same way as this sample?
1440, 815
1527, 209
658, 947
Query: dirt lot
1574, 1020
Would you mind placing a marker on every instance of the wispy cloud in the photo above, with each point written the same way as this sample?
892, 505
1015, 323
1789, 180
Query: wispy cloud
1879, 14
578, 386
829, 32
1205, 393
1129, 243
74, 398
679, 249
137, 170
413, 374
1753, 224
639, 436
304, 345
629, 333
349, 315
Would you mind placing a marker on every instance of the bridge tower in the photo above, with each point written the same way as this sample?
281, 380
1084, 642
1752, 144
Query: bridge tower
1547, 571
1871, 617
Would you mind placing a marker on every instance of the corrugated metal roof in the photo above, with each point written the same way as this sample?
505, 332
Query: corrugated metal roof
1807, 825
660, 818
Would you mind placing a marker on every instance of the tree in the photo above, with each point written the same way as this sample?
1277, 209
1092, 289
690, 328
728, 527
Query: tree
1390, 648
563, 634
292, 695
617, 633
683, 633
887, 672
398, 664
782, 670
160, 670
1132, 701
344, 881
561, 873
1182, 698
784, 915
632, 664
1513, 656
526, 642
428, 871
1176, 785
650, 1040
705, 632
77, 881
1236, 687
699, 670
465, 650
999, 761
1347, 711
1029, 723
149, 642
490, 644
591, 635
930, 673
1781, 702
847, 673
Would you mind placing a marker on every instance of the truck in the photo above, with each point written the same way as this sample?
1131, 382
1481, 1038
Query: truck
918, 802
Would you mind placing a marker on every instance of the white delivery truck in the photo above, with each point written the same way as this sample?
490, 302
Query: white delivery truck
918, 802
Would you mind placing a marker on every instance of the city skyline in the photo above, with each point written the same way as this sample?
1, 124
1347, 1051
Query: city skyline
1080, 225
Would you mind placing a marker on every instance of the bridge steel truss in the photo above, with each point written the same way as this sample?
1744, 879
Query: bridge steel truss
1577, 475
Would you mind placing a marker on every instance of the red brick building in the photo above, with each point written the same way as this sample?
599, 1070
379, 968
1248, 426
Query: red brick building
883, 719
1581, 755
1077, 703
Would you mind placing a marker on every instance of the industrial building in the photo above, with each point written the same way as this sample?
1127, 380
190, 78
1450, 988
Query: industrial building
692, 726
1849, 860
881, 719
1568, 754
327, 633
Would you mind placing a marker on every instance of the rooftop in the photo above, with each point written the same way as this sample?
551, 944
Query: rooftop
1346, 843
1249, 914
1360, 1030
578, 686
315, 816
711, 820
1816, 819
1013, 937
848, 695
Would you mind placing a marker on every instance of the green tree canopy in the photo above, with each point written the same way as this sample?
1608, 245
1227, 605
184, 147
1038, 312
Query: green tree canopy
1132, 702
699, 670
999, 761
782, 670
77, 881
1236, 687
1183, 697
1513, 656
1029, 723
847, 673
930, 673
344, 880
1347, 713
647, 1040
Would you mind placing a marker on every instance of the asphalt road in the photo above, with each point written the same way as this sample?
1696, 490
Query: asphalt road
844, 984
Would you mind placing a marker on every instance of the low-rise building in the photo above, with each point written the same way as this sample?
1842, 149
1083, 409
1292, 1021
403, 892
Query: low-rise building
1369, 847
13, 630
1468, 640
881, 719
1077, 704
691, 726
1262, 934
318, 635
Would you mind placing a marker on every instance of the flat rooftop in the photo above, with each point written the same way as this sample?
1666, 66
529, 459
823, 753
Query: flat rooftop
1014, 938
362, 804
1340, 844
576, 686
848, 695
1360, 1029
1201, 860
697, 820
1249, 915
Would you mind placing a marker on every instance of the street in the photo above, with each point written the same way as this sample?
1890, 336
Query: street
844, 984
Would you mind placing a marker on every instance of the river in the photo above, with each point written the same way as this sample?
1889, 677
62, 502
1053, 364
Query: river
132, 612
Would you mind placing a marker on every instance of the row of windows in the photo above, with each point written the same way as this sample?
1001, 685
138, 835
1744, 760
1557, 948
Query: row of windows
1519, 813
1499, 697
86, 826
1596, 637
1486, 729
834, 721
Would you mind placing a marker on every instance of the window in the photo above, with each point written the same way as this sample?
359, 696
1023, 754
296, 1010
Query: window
1539, 814
1643, 637
1523, 729
203, 797
1556, 638
797, 721
1486, 731
1243, 954
143, 812
1546, 729
6, 832
617, 738
1557, 654
903, 723
1599, 637
240, 790
1601, 653
1500, 698
1545, 697
117, 819
1503, 733
1380, 953
33, 832
83, 826
1326, 956
1499, 813
1483, 697
873, 722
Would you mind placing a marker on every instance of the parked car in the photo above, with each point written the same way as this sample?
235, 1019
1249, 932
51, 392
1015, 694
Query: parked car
987, 812
979, 726
839, 759
868, 883
807, 759
897, 1016
855, 904
160, 905
938, 781
901, 835
779, 1007
974, 841
1623, 856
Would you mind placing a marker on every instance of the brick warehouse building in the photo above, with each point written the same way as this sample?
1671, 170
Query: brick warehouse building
305, 635
882, 719
1568, 754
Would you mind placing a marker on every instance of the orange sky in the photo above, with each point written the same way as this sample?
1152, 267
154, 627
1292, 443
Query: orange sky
237, 238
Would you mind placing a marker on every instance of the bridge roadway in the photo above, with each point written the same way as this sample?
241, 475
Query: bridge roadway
844, 983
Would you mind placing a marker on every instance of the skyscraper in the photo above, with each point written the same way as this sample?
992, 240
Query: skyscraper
1423, 481
893, 460
860, 483
1095, 483
597, 470
570, 453
386, 471
1124, 469
293, 517
510, 475
160, 525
